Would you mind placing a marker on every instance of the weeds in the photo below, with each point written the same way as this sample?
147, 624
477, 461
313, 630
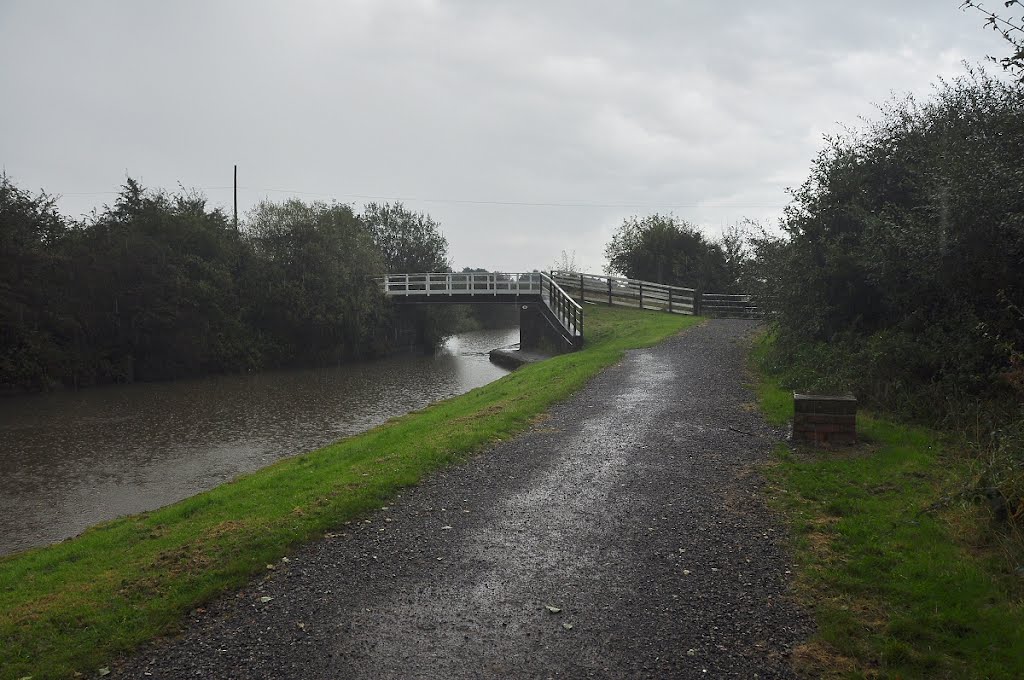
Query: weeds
905, 573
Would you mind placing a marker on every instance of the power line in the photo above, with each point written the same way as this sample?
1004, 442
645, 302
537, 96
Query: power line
464, 201
87, 193
538, 204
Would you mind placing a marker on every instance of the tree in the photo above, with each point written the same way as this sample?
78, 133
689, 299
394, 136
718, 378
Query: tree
313, 294
906, 243
735, 251
1012, 31
159, 286
666, 249
411, 242
408, 241
566, 263
155, 294
32, 268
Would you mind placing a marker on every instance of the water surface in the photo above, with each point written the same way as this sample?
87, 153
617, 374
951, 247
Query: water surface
71, 459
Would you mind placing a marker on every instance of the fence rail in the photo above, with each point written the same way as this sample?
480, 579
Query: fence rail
725, 306
615, 290
557, 291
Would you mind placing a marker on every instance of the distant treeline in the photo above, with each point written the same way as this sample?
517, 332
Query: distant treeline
668, 249
159, 286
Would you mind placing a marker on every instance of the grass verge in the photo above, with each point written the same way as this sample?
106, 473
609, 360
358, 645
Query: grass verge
900, 578
74, 606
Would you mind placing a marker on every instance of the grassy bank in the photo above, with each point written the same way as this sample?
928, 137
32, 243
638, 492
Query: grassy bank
74, 606
898, 573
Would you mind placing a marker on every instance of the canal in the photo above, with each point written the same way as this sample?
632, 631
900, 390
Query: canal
71, 459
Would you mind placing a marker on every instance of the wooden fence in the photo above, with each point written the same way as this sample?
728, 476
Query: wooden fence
724, 306
614, 290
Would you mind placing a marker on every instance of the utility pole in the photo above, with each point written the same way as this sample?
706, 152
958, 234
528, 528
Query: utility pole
236, 197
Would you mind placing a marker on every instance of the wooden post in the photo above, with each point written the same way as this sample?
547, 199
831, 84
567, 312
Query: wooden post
641, 296
609, 291
696, 302
670, 300
236, 197
583, 298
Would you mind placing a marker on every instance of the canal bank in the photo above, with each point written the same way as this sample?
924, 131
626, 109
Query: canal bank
512, 359
73, 606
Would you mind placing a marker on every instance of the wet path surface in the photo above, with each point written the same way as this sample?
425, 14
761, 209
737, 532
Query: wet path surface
624, 536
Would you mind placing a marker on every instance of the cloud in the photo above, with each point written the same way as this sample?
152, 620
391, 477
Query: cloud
616, 108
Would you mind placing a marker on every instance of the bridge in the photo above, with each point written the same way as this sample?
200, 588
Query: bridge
549, 314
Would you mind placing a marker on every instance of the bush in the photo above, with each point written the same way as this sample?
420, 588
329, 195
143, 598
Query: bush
901, 272
666, 249
160, 286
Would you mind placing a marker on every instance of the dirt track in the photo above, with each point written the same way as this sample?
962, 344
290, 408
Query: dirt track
635, 510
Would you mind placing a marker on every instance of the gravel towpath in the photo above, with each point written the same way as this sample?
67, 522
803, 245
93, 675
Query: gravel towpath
625, 536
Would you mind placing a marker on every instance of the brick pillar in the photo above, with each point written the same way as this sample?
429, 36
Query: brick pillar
825, 419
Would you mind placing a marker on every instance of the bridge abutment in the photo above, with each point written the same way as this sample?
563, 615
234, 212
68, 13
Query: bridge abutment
537, 332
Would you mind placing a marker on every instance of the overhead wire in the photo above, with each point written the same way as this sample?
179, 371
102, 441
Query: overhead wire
462, 201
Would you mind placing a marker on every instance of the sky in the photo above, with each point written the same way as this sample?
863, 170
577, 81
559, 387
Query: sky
527, 129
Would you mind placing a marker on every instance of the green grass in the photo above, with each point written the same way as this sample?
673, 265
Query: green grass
901, 585
74, 606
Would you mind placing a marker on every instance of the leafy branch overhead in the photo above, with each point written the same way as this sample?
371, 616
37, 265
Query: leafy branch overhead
1010, 28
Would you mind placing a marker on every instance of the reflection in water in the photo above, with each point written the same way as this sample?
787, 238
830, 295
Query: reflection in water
69, 460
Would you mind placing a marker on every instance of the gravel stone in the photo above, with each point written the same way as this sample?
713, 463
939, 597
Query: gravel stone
635, 510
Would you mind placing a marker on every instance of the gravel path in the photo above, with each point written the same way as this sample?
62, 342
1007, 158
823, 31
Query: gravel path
623, 537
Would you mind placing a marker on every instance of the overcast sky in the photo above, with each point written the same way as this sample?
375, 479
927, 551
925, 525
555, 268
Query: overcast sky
525, 128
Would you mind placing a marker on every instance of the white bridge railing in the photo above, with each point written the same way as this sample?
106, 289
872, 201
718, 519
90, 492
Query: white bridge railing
448, 284
498, 285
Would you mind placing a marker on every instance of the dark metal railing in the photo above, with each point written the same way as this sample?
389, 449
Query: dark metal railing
568, 311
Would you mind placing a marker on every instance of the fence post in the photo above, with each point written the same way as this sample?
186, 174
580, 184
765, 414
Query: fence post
696, 302
609, 291
583, 299
641, 296
669, 300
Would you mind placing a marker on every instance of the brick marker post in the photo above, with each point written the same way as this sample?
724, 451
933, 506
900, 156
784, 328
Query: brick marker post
825, 419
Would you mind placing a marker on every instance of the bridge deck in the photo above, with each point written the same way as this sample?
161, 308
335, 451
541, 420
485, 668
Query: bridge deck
487, 287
